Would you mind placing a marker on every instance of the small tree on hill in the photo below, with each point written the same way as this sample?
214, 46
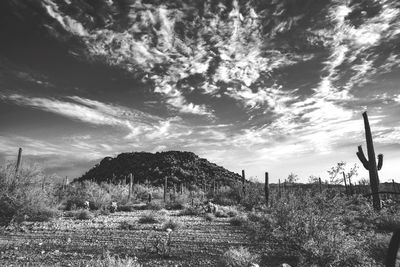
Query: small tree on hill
292, 178
334, 178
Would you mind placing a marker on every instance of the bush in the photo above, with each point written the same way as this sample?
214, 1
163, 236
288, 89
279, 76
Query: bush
154, 206
175, 205
190, 211
239, 257
209, 217
25, 196
77, 193
114, 261
221, 214
127, 225
126, 208
388, 222
83, 215
148, 218
173, 225
238, 221
312, 228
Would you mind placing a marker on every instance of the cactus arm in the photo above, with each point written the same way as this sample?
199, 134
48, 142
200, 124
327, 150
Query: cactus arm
380, 162
361, 157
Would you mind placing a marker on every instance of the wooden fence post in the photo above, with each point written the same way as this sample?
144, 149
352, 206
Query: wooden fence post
18, 161
243, 184
266, 188
279, 188
130, 185
320, 184
165, 188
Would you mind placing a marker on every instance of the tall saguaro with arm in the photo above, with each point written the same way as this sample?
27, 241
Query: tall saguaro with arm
370, 164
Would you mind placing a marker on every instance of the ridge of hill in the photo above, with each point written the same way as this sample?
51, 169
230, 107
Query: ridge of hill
178, 166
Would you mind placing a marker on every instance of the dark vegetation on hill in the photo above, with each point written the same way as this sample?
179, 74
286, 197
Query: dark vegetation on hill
179, 167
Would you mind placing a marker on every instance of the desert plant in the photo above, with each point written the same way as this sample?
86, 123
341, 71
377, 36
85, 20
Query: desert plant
148, 218
370, 163
171, 224
127, 225
221, 214
159, 243
154, 205
209, 217
23, 197
312, 228
237, 257
114, 261
238, 220
190, 211
83, 215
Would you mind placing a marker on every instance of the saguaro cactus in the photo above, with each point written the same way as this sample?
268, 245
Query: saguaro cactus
165, 188
130, 186
243, 183
370, 164
266, 188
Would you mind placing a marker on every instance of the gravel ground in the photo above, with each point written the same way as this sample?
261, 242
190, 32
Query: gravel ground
70, 242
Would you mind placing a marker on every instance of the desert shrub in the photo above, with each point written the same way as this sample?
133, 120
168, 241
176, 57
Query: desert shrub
221, 214
83, 215
175, 205
148, 218
232, 212
24, 196
127, 225
75, 195
104, 211
254, 217
209, 217
237, 257
228, 195
126, 208
171, 224
239, 220
114, 261
313, 229
190, 211
387, 222
154, 205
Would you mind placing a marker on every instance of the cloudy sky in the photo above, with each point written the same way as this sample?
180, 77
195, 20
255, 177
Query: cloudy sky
260, 85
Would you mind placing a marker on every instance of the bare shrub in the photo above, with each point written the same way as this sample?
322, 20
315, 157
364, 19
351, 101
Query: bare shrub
148, 218
114, 261
239, 220
314, 230
190, 211
171, 224
83, 215
237, 257
25, 196
127, 225
209, 217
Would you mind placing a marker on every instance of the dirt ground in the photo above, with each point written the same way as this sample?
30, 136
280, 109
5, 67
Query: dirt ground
71, 242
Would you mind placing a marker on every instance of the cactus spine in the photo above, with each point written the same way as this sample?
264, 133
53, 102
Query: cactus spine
370, 164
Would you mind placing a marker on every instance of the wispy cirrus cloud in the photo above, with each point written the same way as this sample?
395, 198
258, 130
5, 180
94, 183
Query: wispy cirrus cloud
90, 111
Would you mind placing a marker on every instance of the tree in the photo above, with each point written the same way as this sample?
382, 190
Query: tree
334, 171
292, 178
313, 179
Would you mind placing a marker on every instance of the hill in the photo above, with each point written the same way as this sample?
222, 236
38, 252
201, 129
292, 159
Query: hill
180, 167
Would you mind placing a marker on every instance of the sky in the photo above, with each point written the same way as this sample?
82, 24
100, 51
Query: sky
277, 86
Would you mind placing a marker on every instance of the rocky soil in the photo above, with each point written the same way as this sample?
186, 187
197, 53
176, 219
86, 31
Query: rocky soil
71, 242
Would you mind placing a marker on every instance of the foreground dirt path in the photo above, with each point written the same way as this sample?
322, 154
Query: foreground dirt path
69, 242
